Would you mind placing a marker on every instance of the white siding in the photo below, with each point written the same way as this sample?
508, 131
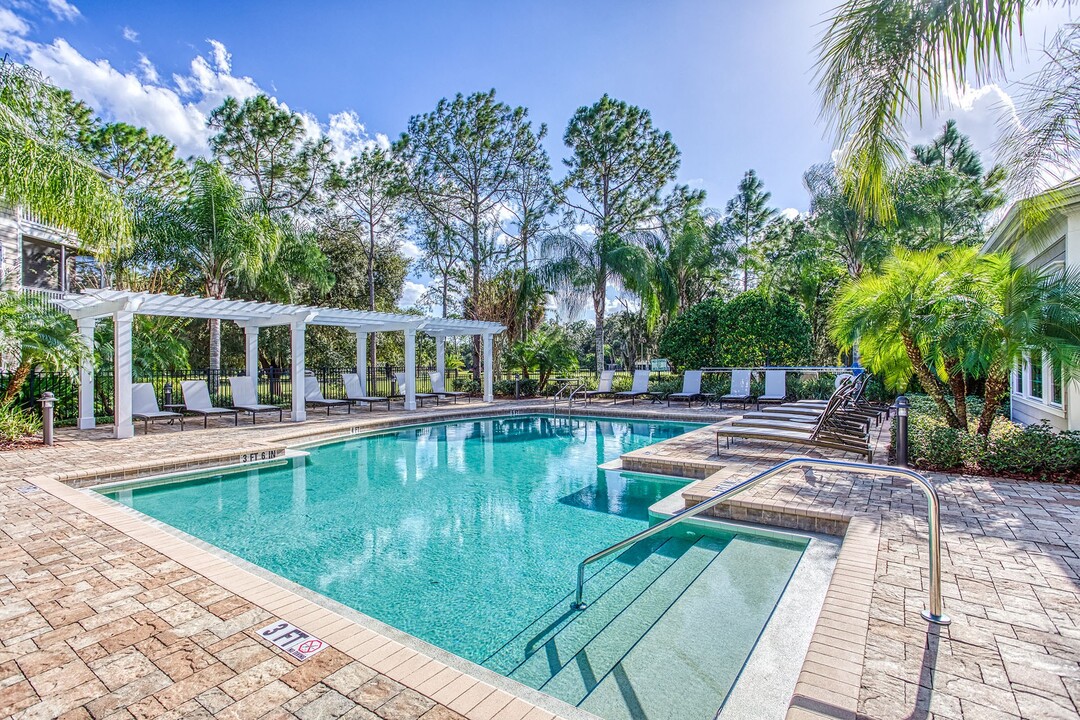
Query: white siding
10, 258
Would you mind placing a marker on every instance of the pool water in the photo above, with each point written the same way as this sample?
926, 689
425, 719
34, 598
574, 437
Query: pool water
468, 534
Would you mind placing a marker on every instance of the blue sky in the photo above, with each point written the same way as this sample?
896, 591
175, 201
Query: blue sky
732, 81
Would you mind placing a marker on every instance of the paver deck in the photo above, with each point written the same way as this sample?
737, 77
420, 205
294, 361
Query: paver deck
105, 615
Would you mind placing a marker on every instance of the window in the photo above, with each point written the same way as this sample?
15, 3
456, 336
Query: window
1025, 375
1037, 378
1018, 379
1056, 377
42, 264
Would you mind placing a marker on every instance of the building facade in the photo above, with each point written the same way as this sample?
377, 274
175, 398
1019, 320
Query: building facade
37, 258
1037, 388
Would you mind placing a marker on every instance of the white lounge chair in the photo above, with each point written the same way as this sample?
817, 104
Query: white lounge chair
438, 387
775, 387
355, 392
197, 400
740, 389
246, 399
313, 396
639, 388
144, 407
691, 389
603, 387
403, 387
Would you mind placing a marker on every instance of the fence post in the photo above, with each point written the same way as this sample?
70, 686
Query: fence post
48, 401
902, 406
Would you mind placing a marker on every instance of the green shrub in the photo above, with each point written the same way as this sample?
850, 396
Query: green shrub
526, 388
16, 423
467, 384
1011, 449
752, 330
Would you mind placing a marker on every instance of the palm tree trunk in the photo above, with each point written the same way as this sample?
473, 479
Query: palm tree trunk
996, 384
959, 390
930, 383
599, 299
215, 344
15, 384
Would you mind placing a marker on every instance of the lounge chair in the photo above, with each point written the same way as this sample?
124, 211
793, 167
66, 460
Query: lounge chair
740, 390
819, 434
246, 399
639, 388
313, 396
402, 388
197, 400
691, 389
775, 388
355, 392
438, 387
144, 407
603, 387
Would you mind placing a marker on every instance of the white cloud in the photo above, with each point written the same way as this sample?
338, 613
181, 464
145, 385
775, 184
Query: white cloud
222, 57
63, 9
789, 213
980, 113
410, 249
12, 27
410, 293
129, 34
149, 72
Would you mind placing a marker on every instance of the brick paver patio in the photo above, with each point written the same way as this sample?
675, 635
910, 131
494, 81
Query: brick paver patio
102, 615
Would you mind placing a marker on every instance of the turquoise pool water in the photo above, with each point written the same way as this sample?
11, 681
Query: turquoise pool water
467, 535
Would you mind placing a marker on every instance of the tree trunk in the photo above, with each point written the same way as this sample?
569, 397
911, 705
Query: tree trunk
929, 383
371, 288
997, 382
958, 385
474, 302
599, 299
215, 344
15, 384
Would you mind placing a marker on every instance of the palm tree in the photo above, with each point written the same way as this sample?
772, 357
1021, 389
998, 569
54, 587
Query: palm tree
221, 237
688, 256
1015, 310
881, 61
38, 336
42, 167
897, 317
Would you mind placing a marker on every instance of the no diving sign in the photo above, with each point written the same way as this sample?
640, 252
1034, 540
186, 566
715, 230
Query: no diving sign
292, 639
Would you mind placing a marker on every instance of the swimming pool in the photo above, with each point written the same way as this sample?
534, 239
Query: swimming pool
467, 535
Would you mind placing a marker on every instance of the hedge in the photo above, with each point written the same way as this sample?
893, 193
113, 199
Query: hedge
1034, 451
752, 330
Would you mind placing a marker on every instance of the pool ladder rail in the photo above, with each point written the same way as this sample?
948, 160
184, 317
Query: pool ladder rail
574, 386
935, 614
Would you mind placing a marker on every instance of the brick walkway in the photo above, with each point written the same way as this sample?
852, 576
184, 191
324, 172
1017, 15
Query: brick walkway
102, 615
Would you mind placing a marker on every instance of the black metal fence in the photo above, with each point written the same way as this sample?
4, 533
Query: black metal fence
274, 386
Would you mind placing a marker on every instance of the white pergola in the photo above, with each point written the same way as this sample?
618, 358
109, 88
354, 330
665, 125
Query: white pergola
89, 306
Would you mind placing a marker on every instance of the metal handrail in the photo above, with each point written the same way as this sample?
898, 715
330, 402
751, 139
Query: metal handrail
935, 613
565, 386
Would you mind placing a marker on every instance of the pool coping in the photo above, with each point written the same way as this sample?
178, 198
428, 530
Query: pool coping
830, 677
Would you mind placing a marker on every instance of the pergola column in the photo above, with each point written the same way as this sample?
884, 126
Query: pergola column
410, 369
440, 358
86, 374
361, 360
122, 427
489, 394
251, 353
299, 406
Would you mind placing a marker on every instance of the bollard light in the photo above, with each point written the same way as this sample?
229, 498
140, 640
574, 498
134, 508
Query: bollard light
166, 394
902, 406
48, 403
517, 386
